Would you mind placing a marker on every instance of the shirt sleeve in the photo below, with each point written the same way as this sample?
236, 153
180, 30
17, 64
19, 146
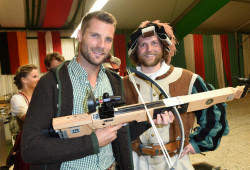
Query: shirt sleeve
19, 106
212, 122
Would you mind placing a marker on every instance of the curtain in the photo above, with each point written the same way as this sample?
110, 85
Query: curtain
4, 54
48, 41
240, 55
56, 40
234, 64
68, 50
198, 54
13, 51
189, 52
22, 48
218, 60
179, 58
128, 60
209, 61
226, 60
6, 81
42, 50
120, 51
33, 52
7, 85
246, 54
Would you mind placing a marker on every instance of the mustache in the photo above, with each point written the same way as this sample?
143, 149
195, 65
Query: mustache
99, 50
147, 53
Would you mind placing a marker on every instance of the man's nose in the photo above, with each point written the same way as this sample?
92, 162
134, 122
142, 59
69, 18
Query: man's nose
101, 43
149, 47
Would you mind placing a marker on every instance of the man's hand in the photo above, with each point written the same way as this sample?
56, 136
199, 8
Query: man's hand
164, 118
107, 135
188, 149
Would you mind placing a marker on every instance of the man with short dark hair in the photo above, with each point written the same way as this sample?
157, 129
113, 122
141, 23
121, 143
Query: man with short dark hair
151, 47
52, 60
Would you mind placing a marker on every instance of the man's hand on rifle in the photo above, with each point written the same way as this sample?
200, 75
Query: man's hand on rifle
164, 118
107, 135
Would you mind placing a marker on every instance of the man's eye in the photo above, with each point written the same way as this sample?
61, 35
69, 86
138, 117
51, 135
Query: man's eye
94, 35
155, 43
142, 45
109, 39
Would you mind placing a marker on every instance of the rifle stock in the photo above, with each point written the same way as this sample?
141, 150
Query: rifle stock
83, 124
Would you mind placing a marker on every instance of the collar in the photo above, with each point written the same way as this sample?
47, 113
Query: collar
163, 69
78, 71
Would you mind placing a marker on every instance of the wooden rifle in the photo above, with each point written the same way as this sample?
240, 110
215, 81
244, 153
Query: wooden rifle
83, 124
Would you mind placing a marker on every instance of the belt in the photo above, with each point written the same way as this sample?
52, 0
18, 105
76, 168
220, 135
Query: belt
155, 150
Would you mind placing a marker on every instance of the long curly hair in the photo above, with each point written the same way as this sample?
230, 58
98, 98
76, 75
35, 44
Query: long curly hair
166, 55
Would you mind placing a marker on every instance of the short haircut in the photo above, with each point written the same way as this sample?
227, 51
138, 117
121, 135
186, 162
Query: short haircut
51, 56
23, 71
100, 15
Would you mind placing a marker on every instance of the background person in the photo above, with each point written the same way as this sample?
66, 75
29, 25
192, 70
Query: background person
112, 63
26, 79
52, 60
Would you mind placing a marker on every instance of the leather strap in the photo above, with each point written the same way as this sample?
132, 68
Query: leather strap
155, 150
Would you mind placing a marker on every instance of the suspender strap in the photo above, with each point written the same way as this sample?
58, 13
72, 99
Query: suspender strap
26, 98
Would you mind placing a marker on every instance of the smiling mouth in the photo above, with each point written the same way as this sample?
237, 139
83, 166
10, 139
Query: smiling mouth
150, 56
98, 52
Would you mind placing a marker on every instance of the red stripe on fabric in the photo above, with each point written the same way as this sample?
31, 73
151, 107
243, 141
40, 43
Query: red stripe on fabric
13, 51
57, 13
42, 12
42, 50
199, 55
225, 56
56, 40
120, 51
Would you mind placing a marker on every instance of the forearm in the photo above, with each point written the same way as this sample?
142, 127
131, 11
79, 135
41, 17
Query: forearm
42, 150
212, 126
212, 122
37, 147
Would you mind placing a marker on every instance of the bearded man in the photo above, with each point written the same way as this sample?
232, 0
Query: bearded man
151, 47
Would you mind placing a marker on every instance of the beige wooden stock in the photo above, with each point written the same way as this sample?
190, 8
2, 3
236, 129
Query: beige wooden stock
206, 99
85, 124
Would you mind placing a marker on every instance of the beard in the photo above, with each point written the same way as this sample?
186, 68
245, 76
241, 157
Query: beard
84, 50
149, 63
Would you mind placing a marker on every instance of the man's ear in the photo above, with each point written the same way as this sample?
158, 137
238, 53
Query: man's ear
79, 35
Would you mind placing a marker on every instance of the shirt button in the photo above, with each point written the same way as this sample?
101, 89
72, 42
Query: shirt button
152, 134
154, 94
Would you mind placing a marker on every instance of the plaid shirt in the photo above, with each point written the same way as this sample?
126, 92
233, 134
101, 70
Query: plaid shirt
81, 87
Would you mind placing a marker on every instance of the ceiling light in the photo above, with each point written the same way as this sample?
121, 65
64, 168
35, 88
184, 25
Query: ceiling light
98, 5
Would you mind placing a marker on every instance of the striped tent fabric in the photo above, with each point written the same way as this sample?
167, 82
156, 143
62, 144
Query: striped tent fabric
229, 60
48, 42
13, 51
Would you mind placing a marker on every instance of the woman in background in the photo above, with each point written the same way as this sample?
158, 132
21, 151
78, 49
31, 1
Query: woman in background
26, 79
